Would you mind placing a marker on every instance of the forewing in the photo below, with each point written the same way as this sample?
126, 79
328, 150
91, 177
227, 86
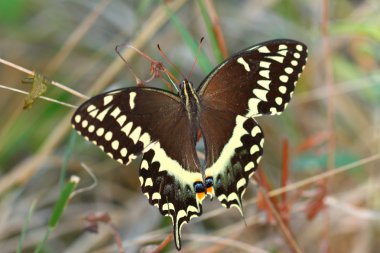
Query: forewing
128, 122
256, 81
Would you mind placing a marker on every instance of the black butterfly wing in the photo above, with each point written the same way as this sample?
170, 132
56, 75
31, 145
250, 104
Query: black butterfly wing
234, 157
257, 81
132, 121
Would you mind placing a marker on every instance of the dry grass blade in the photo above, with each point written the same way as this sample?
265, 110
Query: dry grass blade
217, 27
288, 235
75, 37
32, 73
41, 97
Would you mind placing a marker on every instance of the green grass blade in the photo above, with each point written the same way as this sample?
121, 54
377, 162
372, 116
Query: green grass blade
203, 61
58, 210
25, 226
68, 152
42, 243
62, 201
210, 30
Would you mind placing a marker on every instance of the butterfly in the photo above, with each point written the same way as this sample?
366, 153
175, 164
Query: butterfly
163, 127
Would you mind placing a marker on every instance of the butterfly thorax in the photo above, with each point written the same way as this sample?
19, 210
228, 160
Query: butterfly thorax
190, 100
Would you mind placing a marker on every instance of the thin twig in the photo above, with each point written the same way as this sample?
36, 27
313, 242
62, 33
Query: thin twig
327, 63
289, 237
41, 97
324, 175
31, 73
329, 79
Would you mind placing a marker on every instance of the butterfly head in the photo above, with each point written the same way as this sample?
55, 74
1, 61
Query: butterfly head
186, 88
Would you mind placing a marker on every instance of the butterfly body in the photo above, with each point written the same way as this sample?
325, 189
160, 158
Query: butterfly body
163, 127
190, 102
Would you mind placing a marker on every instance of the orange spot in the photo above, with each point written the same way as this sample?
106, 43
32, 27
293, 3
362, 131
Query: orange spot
201, 195
209, 189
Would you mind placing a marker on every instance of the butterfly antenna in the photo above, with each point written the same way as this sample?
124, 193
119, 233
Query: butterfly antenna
174, 66
157, 66
196, 58
139, 82
171, 81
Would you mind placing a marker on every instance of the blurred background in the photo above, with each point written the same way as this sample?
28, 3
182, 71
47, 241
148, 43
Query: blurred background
319, 175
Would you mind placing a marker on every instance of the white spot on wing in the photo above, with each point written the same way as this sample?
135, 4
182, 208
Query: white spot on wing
77, 118
148, 182
256, 130
132, 97
145, 139
121, 120
261, 94
156, 195
94, 113
100, 131
84, 123
241, 183
108, 136
91, 128
144, 165
279, 59
91, 108
115, 144
127, 128
299, 48
135, 135
254, 149
289, 70
264, 83
107, 99
284, 78
123, 152
102, 114
264, 64
249, 166
282, 89
264, 49
115, 112
244, 63
253, 104
278, 100
264, 73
